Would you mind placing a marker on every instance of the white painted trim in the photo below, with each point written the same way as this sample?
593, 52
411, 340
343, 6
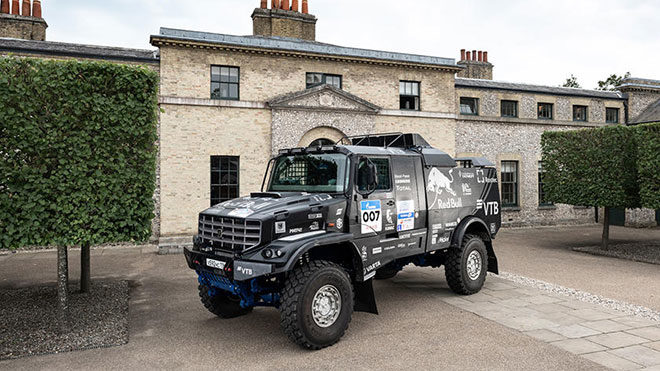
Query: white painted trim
181, 101
424, 114
300, 236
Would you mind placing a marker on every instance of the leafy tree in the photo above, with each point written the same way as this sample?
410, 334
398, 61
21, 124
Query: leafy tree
571, 82
612, 82
78, 156
648, 163
592, 167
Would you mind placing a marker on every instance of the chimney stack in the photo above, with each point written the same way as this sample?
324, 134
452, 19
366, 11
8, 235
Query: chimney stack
15, 8
476, 65
4, 7
282, 20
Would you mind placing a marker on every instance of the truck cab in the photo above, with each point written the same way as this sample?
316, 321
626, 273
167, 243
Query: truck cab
330, 219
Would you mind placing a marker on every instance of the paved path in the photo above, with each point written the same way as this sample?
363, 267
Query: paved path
545, 254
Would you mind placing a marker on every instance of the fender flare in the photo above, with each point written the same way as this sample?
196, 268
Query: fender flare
320, 241
459, 233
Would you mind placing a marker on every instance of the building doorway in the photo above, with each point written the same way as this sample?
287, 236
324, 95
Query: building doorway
322, 142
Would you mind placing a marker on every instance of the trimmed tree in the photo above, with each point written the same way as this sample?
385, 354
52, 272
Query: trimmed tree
592, 167
648, 163
78, 156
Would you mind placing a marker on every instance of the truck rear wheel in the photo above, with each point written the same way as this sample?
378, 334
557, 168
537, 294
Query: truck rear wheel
466, 266
222, 304
316, 304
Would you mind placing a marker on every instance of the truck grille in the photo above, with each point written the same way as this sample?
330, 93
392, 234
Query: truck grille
233, 234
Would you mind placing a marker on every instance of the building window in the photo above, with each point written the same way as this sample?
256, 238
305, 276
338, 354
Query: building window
579, 113
543, 201
509, 108
225, 82
509, 184
612, 115
409, 95
545, 111
224, 178
316, 79
469, 106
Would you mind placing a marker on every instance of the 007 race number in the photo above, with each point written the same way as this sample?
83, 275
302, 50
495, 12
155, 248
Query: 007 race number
371, 217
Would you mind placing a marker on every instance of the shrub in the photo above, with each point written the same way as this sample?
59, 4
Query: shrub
77, 142
648, 139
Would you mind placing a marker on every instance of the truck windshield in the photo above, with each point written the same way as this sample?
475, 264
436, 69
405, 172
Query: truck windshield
322, 173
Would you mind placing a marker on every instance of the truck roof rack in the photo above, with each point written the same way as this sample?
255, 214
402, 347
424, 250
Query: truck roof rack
396, 140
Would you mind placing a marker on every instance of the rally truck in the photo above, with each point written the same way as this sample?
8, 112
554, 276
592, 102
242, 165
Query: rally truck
331, 218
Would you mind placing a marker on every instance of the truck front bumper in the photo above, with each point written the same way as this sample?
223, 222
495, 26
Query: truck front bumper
235, 270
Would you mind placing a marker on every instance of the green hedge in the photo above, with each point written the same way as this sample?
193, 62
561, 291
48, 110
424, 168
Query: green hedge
78, 154
591, 167
648, 165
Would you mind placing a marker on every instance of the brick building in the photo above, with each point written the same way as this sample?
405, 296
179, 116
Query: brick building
230, 102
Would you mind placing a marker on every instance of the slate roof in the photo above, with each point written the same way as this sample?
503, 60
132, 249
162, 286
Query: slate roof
650, 114
540, 89
53, 48
298, 45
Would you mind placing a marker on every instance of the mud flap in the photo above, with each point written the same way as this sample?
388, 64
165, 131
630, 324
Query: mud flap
492, 259
365, 300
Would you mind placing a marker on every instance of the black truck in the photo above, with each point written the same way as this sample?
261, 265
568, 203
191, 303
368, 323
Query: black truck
331, 218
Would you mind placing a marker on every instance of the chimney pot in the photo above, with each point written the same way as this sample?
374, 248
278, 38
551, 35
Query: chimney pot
305, 7
294, 6
27, 11
481, 56
285, 4
462, 54
15, 7
486, 57
467, 56
275, 4
36, 8
4, 7
264, 4
474, 55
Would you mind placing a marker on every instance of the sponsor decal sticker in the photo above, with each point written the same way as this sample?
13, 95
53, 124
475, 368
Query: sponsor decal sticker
245, 271
493, 228
467, 191
376, 250
295, 230
314, 226
372, 267
339, 211
315, 216
241, 213
492, 208
364, 253
388, 216
340, 223
370, 216
405, 215
280, 227
439, 184
388, 248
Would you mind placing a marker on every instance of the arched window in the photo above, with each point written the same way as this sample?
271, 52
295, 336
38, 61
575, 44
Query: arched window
322, 142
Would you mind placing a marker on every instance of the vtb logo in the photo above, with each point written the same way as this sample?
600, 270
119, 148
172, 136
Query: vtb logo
492, 208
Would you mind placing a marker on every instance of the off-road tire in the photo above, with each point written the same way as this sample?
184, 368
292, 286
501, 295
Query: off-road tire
456, 266
386, 273
223, 305
296, 304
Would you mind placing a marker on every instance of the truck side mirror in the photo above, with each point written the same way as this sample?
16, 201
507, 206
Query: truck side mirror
367, 177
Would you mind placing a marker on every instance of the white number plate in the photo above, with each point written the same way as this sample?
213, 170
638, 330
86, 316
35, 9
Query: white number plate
215, 264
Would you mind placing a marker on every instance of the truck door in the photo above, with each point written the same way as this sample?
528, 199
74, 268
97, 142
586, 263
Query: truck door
370, 224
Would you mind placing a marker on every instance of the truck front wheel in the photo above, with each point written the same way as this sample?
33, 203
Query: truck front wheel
316, 304
223, 305
466, 266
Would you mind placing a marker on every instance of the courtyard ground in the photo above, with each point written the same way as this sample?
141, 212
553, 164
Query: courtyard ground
422, 324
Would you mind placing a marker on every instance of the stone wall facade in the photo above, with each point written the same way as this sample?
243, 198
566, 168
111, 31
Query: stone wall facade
519, 139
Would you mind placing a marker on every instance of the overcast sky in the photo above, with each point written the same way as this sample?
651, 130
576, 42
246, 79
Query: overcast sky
532, 41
